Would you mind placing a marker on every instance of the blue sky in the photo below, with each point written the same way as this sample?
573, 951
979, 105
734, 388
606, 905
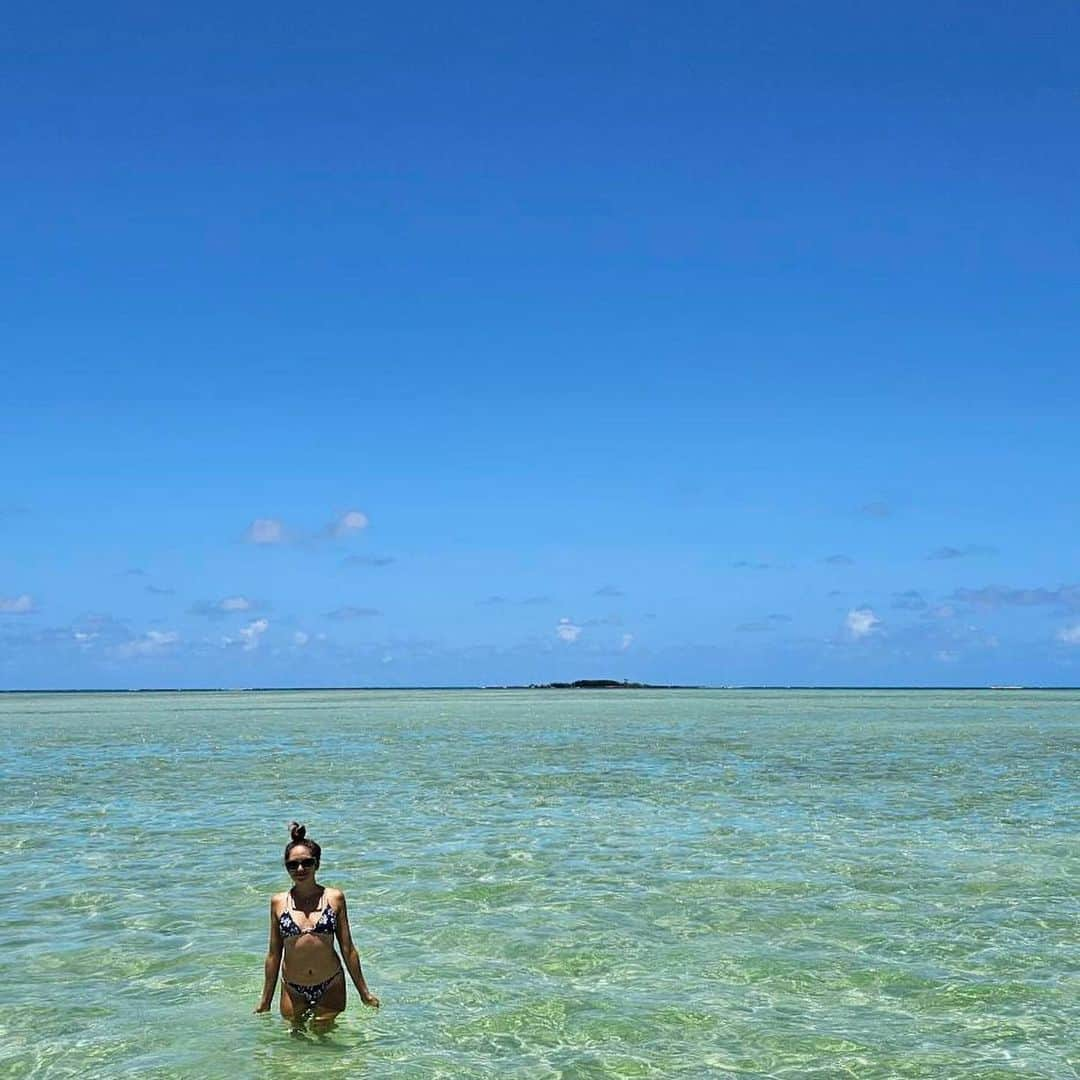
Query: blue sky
417, 344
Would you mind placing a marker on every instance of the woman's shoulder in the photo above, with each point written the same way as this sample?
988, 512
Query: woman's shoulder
335, 896
278, 899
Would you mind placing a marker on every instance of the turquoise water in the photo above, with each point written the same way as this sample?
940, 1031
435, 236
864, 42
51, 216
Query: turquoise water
550, 884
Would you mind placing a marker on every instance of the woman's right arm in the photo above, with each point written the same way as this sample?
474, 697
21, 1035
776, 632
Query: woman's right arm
273, 963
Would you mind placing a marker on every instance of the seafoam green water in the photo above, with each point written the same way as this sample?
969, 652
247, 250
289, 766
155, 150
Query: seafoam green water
550, 884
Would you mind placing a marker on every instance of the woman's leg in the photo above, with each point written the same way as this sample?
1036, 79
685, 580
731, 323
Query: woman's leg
331, 1003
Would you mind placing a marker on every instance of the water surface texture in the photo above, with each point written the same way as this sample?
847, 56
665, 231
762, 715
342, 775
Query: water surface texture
550, 883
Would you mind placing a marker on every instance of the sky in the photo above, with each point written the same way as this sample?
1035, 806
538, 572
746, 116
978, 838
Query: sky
426, 344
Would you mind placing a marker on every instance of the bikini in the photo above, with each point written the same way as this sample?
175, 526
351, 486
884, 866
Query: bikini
325, 924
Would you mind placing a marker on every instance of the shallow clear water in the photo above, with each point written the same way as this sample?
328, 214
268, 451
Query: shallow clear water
550, 883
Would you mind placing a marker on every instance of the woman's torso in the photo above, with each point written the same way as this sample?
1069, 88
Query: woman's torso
308, 936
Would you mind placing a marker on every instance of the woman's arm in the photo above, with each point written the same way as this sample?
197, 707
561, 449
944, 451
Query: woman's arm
351, 956
273, 963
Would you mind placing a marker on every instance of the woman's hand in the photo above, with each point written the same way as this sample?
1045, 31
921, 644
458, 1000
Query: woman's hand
263, 1006
368, 998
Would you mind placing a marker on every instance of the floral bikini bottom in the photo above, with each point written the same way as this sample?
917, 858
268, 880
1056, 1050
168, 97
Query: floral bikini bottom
312, 994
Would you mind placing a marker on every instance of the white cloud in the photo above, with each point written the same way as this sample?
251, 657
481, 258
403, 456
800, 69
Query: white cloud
567, 630
151, 643
300, 639
250, 634
861, 622
230, 605
273, 531
1069, 635
16, 605
265, 531
627, 641
352, 521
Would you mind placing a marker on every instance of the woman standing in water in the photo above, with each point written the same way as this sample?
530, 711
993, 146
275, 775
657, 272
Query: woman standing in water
303, 924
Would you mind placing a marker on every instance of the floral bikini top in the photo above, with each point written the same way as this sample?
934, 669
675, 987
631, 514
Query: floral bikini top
325, 924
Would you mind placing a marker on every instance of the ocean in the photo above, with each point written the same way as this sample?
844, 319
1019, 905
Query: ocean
550, 883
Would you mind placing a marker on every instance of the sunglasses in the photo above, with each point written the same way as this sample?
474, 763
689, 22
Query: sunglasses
293, 865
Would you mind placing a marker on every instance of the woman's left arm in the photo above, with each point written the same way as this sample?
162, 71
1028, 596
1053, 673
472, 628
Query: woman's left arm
351, 956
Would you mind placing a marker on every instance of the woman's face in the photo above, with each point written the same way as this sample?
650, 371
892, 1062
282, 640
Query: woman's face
301, 863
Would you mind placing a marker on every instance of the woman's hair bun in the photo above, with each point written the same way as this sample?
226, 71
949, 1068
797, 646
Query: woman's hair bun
298, 835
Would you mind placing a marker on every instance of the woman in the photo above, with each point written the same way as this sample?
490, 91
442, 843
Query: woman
303, 924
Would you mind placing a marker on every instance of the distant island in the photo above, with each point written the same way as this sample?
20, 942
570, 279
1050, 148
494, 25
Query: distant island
605, 684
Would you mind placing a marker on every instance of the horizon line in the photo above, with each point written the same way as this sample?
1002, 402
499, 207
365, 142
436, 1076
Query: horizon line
514, 686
